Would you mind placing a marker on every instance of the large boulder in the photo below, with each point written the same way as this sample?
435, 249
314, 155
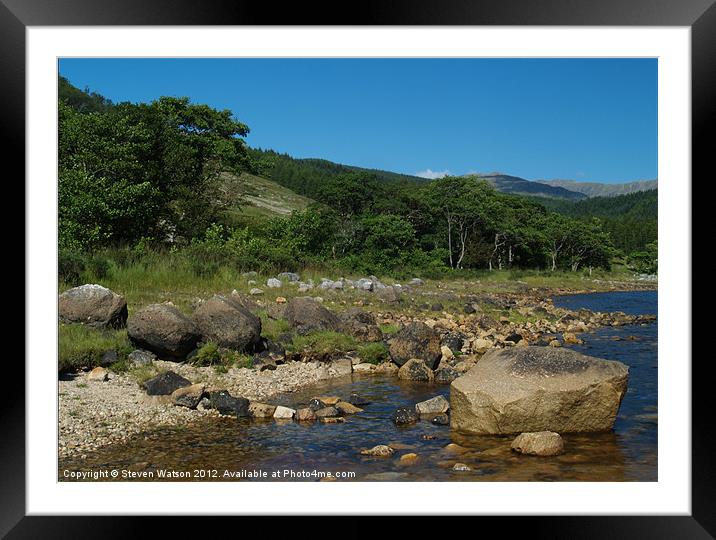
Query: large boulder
532, 389
164, 330
416, 340
227, 323
361, 325
305, 315
94, 306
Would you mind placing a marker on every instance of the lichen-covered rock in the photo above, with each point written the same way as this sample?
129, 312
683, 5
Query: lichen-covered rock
531, 389
164, 330
446, 375
416, 370
405, 415
416, 340
361, 325
227, 323
305, 315
543, 443
94, 306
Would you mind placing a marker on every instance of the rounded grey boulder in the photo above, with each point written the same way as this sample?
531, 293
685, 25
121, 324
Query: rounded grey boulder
94, 306
163, 330
305, 315
227, 323
532, 389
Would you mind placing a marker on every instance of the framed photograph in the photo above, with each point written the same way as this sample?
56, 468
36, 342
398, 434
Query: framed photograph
404, 264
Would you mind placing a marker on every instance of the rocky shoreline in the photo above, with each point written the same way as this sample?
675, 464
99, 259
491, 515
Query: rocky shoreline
434, 343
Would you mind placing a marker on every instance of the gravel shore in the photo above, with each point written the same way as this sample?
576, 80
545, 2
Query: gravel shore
97, 414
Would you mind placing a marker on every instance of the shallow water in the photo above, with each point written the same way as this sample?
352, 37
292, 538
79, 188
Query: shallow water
218, 448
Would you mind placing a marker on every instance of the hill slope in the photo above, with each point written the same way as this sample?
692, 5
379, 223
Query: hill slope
596, 189
257, 197
519, 186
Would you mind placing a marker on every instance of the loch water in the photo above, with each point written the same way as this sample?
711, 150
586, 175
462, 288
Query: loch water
230, 449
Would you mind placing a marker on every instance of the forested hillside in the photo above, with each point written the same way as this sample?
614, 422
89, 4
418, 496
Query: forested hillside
173, 179
631, 220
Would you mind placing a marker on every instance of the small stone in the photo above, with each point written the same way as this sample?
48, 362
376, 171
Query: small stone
358, 400
141, 357
441, 420
316, 404
273, 283
363, 367
460, 467
555, 343
408, 458
327, 412
332, 420
108, 358
282, 412
261, 410
328, 400
98, 374
435, 405
256, 291
165, 383
188, 396
347, 408
447, 353
280, 300
405, 415
541, 443
305, 415
381, 450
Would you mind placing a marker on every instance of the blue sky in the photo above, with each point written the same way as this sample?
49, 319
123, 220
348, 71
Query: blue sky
582, 119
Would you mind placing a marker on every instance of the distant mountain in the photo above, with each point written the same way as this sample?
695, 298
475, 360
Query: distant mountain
596, 189
519, 186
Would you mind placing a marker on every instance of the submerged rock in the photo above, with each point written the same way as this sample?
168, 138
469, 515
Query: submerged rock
532, 389
381, 450
543, 443
405, 415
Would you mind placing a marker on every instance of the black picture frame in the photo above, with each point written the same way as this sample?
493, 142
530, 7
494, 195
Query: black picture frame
699, 15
